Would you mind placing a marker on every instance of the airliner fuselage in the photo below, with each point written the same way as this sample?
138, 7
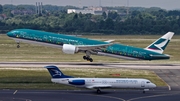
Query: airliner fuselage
72, 45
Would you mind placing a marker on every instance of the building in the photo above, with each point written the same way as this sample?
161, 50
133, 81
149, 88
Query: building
88, 10
80, 10
22, 12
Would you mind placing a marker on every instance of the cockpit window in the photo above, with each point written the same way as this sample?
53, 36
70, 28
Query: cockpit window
14, 32
148, 82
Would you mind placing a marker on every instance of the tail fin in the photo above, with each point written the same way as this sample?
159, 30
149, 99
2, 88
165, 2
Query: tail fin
160, 44
56, 73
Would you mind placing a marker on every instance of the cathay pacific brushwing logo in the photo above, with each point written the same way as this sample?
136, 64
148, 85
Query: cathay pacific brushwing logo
161, 45
56, 72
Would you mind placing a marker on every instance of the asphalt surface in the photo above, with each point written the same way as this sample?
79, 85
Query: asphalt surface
171, 77
170, 73
91, 65
107, 95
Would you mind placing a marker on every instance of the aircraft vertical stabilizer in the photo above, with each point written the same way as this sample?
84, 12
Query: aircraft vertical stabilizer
160, 44
56, 73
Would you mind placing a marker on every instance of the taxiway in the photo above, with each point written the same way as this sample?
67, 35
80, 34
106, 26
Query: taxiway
170, 73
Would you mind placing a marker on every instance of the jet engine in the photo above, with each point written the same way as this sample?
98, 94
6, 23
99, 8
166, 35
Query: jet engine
69, 49
77, 82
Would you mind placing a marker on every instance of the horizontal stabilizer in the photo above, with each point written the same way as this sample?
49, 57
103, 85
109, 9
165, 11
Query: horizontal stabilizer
160, 56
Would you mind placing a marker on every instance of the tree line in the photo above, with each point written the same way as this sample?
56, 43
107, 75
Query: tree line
55, 19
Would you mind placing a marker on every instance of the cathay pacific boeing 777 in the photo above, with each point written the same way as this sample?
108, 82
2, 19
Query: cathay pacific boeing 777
72, 45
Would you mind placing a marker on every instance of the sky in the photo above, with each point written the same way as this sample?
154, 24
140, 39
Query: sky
165, 4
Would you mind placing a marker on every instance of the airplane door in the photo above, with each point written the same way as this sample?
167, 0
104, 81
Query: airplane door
142, 84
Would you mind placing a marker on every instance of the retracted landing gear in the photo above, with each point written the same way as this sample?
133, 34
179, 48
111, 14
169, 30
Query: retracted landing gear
98, 91
87, 58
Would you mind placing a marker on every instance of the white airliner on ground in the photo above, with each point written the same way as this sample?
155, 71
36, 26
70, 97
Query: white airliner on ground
99, 83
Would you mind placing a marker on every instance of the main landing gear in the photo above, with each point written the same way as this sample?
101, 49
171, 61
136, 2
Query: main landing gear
144, 91
98, 91
87, 58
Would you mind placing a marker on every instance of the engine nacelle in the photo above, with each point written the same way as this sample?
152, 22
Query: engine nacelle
77, 82
69, 49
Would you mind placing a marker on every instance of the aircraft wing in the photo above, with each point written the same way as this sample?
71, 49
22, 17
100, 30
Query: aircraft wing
98, 86
109, 41
92, 47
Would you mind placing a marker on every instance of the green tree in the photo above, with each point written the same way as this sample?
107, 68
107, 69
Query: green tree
112, 15
109, 24
75, 16
1, 9
104, 15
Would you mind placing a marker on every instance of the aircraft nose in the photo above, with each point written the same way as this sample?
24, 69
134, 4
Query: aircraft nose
153, 85
10, 34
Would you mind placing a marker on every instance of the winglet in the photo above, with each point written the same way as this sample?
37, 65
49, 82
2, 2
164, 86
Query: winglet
56, 73
160, 44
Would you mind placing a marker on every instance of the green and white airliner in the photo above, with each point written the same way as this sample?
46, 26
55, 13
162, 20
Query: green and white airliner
73, 45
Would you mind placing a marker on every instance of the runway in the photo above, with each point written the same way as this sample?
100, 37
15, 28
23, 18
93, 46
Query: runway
170, 73
91, 65
87, 95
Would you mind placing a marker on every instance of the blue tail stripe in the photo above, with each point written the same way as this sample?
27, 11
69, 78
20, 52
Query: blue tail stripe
56, 73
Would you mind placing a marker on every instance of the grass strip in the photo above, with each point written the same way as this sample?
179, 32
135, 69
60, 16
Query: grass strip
39, 78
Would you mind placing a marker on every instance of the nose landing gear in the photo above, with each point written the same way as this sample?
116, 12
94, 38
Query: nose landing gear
18, 45
98, 91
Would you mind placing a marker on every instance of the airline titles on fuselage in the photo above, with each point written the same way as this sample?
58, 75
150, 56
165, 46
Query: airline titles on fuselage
55, 40
114, 81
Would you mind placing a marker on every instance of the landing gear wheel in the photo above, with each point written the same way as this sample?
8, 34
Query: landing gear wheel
87, 58
18, 46
84, 57
144, 92
90, 59
98, 91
